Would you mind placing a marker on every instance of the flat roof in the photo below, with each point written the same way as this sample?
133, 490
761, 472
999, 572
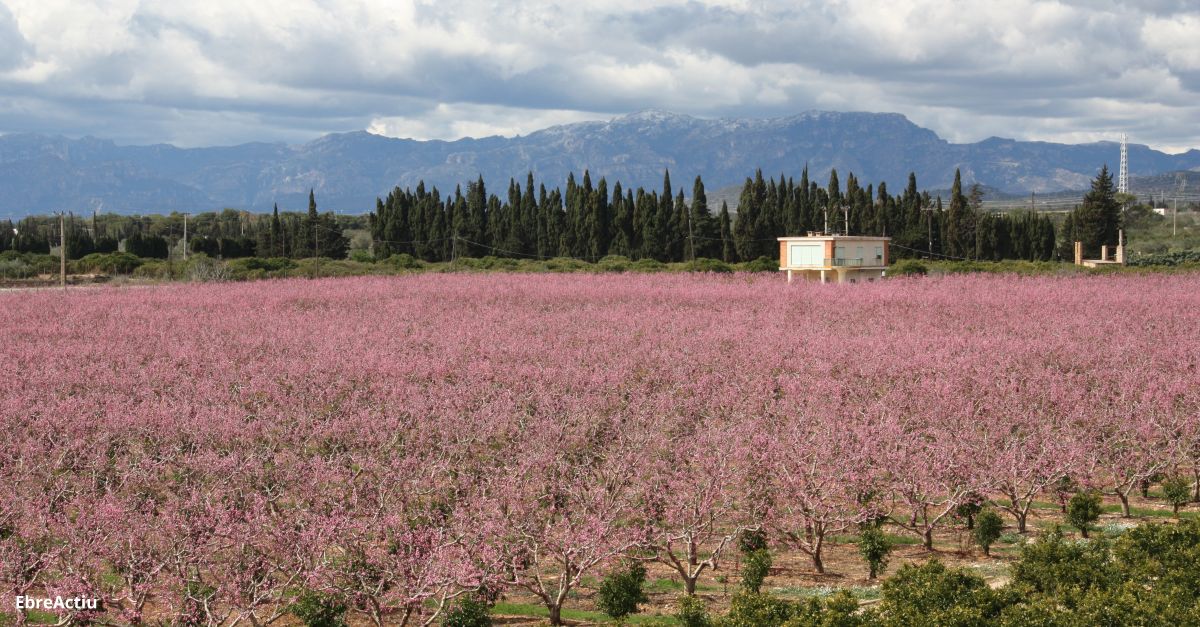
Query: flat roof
833, 237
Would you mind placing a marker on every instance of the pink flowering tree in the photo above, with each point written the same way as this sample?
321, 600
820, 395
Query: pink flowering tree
820, 481
694, 499
566, 505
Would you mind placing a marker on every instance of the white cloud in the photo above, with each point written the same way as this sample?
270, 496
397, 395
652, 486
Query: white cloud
471, 120
227, 71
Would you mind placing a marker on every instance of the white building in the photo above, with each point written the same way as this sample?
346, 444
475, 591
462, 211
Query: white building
838, 258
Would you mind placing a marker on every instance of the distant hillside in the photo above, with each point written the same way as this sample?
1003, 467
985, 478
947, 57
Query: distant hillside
349, 170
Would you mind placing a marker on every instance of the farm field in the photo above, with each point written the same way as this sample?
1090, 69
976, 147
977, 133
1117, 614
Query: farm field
205, 454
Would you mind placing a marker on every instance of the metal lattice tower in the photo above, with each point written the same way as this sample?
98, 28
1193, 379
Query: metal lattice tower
1123, 180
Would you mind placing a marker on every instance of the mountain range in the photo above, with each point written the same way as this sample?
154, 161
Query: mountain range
348, 171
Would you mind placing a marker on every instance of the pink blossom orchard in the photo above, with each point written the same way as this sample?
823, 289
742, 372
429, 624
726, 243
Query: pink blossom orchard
198, 452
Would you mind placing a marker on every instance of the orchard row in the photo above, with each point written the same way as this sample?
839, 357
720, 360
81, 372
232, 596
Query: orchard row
200, 453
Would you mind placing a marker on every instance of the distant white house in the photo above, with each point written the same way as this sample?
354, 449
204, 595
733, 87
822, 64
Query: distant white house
838, 258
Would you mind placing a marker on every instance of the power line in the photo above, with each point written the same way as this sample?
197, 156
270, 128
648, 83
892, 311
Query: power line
923, 252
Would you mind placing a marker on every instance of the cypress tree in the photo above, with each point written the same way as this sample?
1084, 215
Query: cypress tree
701, 234
276, 249
599, 221
960, 224
681, 219
727, 250
475, 223
622, 228
1097, 221
664, 223
833, 202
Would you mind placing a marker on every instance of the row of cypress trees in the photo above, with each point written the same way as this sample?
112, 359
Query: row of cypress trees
588, 222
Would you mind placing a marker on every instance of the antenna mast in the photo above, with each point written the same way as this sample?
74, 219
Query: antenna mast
1123, 180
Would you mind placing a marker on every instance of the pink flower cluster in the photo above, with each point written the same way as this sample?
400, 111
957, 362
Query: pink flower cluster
201, 451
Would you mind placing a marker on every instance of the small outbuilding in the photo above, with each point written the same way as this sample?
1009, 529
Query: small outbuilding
837, 258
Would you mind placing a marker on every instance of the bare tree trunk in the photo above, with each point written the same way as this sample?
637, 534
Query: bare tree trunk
816, 555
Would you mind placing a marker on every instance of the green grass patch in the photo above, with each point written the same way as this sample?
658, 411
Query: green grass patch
895, 539
862, 593
1145, 512
991, 569
1012, 538
534, 610
32, 617
665, 584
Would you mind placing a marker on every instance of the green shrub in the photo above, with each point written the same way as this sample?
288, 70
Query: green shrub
491, 262
316, 609
201, 269
839, 609
649, 265
705, 264
908, 267
161, 270
755, 610
110, 263
762, 264
15, 269
874, 547
932, 594
403, 261
755, 568
622, 591
467, 612
1083, 510
1178, 492
20, 265
988, 529
316, 267
253, 268
692, 612
970, 507
614, 263
362, 255
750, 540
1054, 565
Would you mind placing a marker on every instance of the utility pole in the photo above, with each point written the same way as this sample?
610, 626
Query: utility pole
185, 242
1175, 217
62, 249
929, 221
691, 236
846, 210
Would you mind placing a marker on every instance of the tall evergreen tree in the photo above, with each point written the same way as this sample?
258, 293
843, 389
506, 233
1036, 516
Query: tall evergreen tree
960, 223
702, 235
728, 254
1097, 221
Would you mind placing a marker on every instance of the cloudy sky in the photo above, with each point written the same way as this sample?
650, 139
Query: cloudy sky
229, 71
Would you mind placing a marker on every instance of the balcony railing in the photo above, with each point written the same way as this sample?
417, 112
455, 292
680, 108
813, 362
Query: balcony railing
842, 262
